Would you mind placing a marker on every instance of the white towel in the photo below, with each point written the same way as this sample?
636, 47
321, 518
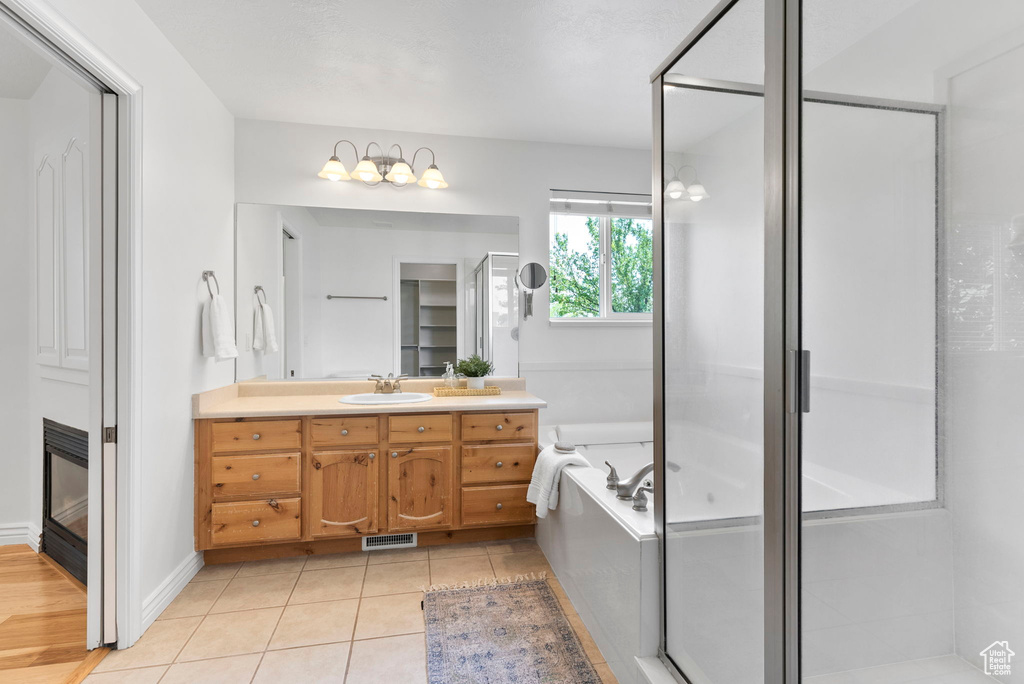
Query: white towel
218, 332
543, 489
263, 335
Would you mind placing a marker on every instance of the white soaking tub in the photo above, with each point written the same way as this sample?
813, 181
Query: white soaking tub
603, 552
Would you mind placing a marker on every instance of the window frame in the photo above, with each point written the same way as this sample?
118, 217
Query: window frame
606, 315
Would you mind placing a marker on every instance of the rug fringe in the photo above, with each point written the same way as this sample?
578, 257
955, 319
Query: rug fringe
487, 582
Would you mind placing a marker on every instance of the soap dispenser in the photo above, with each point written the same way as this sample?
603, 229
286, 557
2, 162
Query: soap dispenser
449, 375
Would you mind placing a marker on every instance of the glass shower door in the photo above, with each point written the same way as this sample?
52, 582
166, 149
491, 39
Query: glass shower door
713, 349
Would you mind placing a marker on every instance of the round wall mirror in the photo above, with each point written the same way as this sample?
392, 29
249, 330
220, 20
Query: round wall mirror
533, 276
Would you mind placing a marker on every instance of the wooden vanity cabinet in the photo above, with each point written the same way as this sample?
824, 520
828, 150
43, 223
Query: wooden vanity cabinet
282, 486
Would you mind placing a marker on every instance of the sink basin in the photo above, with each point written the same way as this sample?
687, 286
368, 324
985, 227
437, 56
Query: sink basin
397, 398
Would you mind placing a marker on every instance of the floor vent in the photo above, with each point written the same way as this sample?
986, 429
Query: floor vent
389, 541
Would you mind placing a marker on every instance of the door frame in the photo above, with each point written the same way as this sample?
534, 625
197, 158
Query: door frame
115, 612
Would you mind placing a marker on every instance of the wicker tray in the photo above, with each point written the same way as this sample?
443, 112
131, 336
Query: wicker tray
488, 390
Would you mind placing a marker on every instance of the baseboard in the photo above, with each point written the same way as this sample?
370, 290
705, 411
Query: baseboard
20, 533
162, 596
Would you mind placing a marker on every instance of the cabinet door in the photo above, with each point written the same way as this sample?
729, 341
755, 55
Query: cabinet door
343, 493
419, 488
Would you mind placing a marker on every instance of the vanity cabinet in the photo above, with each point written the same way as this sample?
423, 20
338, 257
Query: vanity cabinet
267, 487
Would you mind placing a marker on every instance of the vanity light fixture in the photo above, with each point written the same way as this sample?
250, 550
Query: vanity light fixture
382, 167
675, 189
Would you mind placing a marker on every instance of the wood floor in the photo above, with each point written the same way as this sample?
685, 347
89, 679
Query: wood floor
42, 621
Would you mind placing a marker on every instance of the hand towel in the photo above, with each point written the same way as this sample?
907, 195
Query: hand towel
218, 331
543, 489
263, 335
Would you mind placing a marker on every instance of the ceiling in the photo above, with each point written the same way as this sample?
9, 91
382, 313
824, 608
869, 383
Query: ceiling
23, 68
328, 217
568, 71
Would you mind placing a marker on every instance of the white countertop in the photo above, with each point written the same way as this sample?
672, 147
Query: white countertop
320, 398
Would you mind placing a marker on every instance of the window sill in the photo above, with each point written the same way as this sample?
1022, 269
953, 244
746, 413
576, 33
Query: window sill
600, 322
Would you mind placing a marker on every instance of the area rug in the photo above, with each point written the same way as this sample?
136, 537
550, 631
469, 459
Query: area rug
502, 634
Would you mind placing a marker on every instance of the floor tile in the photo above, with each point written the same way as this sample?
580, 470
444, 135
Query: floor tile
512, 546
396, 578
328, 585
398, 555
271, 566
443, 551
158, 646
309, 624
230, 634
603, 671
149, 675
589, 647
195, 599
381, 616
311, 665
522, 563
336, 560
216, 572
233, 670
467, 569
248, 593
394, 659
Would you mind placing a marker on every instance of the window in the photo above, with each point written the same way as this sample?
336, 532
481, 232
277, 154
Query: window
601, 262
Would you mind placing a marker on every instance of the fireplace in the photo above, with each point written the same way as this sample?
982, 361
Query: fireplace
66, 496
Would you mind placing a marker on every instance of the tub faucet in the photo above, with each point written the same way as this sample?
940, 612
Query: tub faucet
640, 498
624, 489
612, 481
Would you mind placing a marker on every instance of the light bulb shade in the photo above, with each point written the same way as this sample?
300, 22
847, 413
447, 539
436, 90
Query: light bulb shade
334, 170
675, 189
400, 173
697, 192
432, 179
366, 171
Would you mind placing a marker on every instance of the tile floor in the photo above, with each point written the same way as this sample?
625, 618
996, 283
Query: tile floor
949, 669
351, 618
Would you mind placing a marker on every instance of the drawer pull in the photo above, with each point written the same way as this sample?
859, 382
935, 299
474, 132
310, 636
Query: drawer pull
394, 454
255, 476
420, 429
372, 455
498, 464
499, 428
256, 436
499, 507
344, 433
256, 523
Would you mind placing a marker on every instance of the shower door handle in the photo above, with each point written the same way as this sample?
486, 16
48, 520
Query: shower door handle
805, 380
798, 381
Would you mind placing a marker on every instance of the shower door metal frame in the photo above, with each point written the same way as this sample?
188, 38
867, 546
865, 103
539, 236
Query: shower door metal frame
783, 372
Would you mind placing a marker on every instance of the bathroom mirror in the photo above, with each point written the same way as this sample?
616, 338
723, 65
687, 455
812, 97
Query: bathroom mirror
531, 277
328, 293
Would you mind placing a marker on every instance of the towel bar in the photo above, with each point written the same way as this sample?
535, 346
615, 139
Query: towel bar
385, 298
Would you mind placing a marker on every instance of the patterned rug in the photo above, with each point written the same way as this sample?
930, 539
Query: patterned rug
500, 634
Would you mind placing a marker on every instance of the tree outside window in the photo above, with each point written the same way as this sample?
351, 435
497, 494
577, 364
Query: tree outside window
601, 267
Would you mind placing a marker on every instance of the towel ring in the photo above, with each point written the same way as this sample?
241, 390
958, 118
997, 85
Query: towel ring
207, 276
256, 291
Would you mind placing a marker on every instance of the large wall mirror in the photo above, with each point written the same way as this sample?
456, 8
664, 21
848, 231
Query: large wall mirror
324, 293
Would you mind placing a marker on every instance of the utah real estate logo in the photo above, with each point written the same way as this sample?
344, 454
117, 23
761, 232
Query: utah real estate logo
997, 658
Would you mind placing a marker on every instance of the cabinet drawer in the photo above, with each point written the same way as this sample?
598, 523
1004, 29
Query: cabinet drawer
344, 431
498, 463
256, 435
417, 429
503, 426
248, 522
255, 476
496, 505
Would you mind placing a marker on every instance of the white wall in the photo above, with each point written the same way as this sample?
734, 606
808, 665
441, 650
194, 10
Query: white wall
187, 195
15, 342
570, 367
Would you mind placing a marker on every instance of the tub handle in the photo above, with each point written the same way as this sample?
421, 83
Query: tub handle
612, 481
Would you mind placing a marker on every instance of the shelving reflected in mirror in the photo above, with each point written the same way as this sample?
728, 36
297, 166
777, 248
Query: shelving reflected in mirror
352, 292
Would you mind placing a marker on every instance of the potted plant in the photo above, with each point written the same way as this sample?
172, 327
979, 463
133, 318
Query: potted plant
475, 369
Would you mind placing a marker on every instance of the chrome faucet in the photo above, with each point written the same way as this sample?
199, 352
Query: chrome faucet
624, 489
388, 385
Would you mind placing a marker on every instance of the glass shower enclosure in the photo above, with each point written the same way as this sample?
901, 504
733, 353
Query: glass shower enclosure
839, 331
